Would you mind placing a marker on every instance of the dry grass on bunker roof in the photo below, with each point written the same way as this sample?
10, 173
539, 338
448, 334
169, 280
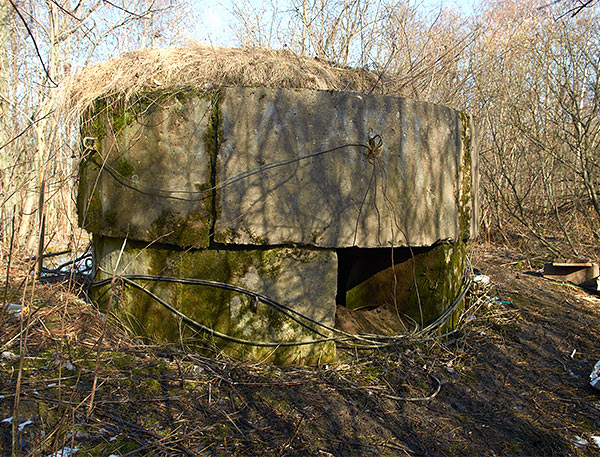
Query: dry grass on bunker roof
205, 68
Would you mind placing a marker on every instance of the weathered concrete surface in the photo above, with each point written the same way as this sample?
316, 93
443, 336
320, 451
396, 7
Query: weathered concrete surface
302, 279
159, 154
236, 175
577, 273
155, 183
420, 188
421, 284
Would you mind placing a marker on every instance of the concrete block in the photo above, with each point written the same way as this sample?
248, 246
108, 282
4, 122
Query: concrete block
577, 273
154, 153
418, 189
162, 154
302, 279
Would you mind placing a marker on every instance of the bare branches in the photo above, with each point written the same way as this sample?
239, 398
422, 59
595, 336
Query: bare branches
43, 42
579, 5
35, 45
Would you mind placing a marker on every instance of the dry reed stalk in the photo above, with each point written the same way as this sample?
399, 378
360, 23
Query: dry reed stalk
23, 334
4, 307
104, 329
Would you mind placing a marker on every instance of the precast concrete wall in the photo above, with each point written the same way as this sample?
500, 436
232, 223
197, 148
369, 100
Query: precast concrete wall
256, 170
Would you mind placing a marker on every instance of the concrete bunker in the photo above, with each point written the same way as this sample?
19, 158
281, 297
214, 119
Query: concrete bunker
214, 208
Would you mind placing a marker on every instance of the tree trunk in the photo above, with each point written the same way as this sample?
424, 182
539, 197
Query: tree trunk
4, 9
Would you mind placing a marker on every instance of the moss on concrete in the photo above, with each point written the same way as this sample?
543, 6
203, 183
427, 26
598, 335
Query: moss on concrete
439, 276
110, 114
186, 225
87, 174
125, 169
423, 293
110, 218
191, 230
464, 195
137, 309
228, 312
92, 213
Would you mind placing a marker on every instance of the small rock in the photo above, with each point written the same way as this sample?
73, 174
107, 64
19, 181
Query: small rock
67, 365
10, 356
81, 435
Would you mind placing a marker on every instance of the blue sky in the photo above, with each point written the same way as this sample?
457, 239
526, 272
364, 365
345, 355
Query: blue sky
213, 26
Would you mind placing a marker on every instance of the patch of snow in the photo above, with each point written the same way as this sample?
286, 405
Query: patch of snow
24, 424
64, 452
484, 280
578, 441
595, 376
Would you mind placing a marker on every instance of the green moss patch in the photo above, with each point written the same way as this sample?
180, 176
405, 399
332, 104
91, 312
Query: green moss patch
421, 287
464, 194
225, 311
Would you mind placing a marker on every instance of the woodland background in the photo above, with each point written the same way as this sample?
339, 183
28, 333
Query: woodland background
513, 378
528, 70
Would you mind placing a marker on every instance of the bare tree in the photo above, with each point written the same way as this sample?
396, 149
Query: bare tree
536, 83
340, 31
47, 42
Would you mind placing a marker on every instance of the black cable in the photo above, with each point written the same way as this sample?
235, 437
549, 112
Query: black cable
47, 256
373, 341
262, 298
87, 253
206, 193
216, 333
286, 310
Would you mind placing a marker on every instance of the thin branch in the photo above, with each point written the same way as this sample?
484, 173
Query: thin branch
22, 132
123, 9
30, 33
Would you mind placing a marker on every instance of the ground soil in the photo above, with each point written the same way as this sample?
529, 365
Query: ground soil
512, 381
